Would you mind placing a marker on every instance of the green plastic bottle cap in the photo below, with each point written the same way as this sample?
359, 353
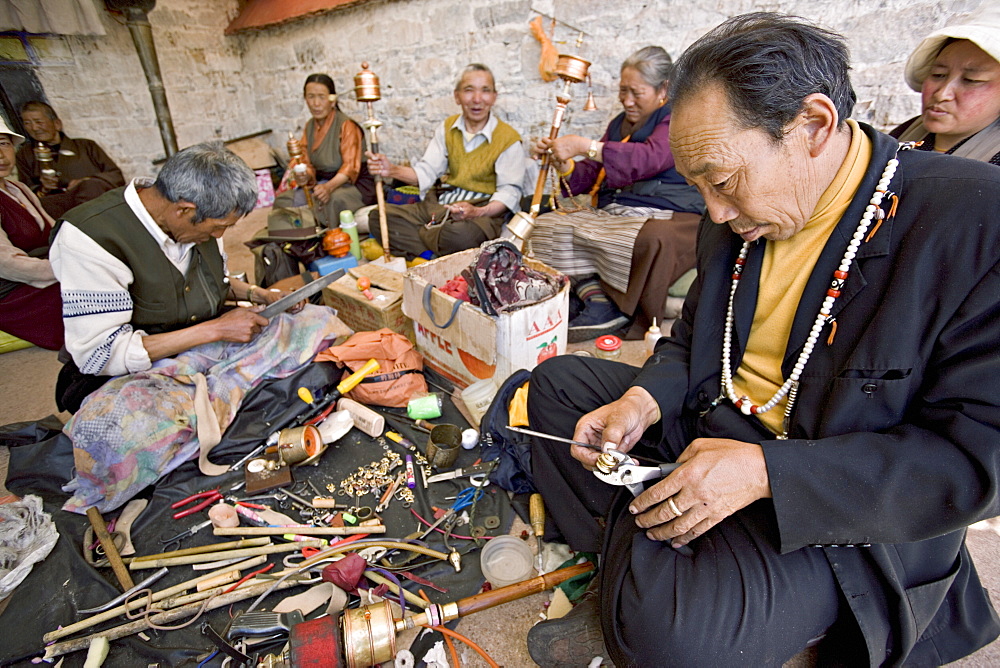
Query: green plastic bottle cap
347, 217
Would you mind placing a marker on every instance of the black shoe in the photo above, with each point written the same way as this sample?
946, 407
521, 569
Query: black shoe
570, 641
599, 317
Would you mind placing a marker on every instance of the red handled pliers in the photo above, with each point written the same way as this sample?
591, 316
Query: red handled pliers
208, 498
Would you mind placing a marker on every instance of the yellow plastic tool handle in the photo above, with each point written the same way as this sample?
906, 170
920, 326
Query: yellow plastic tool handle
349, 383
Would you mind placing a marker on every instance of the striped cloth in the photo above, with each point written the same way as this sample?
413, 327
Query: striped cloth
594, 241
457, 194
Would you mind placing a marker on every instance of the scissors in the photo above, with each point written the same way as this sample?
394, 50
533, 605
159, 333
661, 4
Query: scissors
464, 499
175, 542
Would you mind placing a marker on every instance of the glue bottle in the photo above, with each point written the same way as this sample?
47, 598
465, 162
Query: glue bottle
652, 336
348, 224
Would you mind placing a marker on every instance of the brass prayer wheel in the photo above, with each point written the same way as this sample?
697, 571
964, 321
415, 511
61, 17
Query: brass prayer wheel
366, 85
572, 68
294, 147
369, 635
43, 154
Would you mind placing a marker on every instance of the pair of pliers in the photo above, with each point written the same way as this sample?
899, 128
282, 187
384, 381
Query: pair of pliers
627, 472
207, 499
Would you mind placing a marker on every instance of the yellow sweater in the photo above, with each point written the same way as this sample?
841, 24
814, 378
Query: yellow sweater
476, 170
786, 270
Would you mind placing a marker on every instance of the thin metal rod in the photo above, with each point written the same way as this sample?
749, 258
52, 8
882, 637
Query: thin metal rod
589, 446
121, 597
560, 21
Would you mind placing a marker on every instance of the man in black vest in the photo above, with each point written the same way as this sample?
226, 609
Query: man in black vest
831, 393
143, 273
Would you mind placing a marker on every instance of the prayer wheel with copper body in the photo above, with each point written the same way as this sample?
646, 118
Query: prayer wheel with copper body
367, 90
571, 69
366, 85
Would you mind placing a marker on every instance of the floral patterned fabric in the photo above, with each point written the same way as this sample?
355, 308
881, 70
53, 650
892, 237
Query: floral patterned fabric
137, 428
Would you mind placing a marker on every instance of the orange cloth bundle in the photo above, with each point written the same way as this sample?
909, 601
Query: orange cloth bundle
401, 367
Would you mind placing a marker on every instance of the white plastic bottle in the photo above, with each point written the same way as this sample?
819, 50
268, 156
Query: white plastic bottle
652, 336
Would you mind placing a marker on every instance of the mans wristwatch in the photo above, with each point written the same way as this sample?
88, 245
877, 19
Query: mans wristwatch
592, 151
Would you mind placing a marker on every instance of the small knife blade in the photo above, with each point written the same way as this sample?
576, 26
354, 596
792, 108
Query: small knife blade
303, 293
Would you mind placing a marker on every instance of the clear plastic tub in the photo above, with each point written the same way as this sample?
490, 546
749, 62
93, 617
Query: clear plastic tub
506, 560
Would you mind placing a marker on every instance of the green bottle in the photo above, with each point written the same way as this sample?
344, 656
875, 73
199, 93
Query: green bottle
348, 224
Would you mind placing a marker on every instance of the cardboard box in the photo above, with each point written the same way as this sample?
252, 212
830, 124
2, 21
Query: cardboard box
477, 346
364, 315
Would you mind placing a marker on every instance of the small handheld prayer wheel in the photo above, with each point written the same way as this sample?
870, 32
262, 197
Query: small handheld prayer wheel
572, 69
297, 156
367, 90
366, 85
294, 147
43, 154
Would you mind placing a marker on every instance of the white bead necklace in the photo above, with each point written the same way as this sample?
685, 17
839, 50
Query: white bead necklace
790, 387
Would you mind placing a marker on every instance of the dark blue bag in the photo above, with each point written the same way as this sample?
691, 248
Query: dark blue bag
513, 472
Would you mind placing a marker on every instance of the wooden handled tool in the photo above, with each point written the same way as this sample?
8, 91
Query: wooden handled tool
537, 512
110, 551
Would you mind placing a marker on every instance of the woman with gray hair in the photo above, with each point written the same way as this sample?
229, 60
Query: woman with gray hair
630, 176
956, 70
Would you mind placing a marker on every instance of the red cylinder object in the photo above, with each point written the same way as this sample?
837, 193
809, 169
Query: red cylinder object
315, 644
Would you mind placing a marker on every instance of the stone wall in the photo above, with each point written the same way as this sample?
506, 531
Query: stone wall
222, 87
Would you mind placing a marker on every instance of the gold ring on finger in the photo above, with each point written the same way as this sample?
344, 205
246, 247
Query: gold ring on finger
673, 507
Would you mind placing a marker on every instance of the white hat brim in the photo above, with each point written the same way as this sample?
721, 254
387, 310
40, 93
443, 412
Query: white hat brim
918, 66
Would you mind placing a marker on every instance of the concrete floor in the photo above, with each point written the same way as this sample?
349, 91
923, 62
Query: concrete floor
27, 384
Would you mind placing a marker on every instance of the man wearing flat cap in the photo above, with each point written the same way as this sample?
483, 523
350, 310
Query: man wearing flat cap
830, 393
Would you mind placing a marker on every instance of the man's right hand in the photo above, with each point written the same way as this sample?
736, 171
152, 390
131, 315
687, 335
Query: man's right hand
240, 325
49, 181
618, 425
378, 164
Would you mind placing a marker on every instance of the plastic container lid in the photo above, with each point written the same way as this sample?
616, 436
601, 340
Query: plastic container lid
347, 218
609, 342
506, 560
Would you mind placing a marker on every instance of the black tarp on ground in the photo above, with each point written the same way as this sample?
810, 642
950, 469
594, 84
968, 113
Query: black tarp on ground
40, 462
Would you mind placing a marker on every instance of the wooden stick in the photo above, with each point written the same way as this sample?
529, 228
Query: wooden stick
139, 603
304, 530
231, 545
467, 606
110, 551
218, 581
213, 556
165, 617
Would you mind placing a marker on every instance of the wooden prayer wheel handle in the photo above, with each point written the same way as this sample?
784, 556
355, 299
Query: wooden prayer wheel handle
488, 599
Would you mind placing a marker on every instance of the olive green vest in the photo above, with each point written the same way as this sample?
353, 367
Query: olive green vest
476, 170
162, 298
326, 159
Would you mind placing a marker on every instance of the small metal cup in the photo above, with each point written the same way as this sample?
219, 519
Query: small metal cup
443, 446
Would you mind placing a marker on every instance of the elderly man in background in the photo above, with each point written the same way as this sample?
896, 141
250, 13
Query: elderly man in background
80, 169
830, 394
485, 166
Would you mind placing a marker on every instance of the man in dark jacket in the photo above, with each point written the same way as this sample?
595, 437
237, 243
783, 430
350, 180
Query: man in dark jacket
831, 392
80, 169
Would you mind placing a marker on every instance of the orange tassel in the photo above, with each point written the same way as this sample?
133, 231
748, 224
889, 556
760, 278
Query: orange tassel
833, 332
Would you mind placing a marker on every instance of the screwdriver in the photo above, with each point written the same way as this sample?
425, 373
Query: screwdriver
537, 512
